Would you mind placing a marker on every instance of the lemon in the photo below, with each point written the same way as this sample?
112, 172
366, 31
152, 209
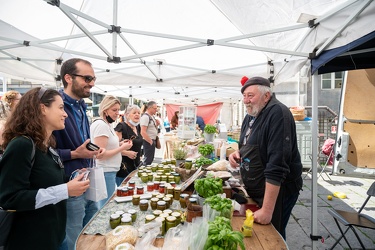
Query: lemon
329, 197
340, 195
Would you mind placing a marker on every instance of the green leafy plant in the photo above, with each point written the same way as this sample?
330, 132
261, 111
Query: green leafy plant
203, 161
179, 154
210, 129
206, 149
208, 186
222, 237
220, 204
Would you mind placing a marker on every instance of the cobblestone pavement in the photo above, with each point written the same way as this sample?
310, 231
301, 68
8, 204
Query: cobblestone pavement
299, 227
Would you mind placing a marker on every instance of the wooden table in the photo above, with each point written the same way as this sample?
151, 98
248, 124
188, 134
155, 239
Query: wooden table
264, 236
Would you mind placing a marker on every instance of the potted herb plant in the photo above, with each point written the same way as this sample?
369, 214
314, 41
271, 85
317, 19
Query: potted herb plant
209, 132
180, 155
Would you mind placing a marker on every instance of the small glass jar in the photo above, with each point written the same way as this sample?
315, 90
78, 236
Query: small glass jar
114, 220
119, 191
177, 193
120, 212
173, 161
170, 178
160, 196
188, 164
154, 168
157, 178
173, 184
177, 178
169, 196
162, 228
140, 172
156, 185
140, 190
164, 162
133, 214
167, 211
157, 212
154, 203
161, 189
178, 217
164, 178
136, 199
125, 191
149, 218
150, 186
170, 190
163, 215
130, 191
170, 222
126, 220
193, 201
131, 184
161, 205
144, 178
150, 176
183, 200
143, 205
167, 201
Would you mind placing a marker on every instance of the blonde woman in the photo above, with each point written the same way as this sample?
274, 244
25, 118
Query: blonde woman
103, 135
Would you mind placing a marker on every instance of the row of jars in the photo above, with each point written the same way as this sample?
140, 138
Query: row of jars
167, 177
151, 187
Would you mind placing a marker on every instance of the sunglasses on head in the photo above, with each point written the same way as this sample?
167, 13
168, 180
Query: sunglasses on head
87, 78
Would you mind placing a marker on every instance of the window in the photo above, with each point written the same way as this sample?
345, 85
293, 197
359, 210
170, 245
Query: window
332, 80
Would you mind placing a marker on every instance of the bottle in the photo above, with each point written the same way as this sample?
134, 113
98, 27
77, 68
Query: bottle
223, 151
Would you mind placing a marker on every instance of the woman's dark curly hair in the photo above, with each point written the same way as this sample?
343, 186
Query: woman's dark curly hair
27, 119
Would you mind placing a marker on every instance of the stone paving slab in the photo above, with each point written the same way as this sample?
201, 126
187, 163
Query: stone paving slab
299, 227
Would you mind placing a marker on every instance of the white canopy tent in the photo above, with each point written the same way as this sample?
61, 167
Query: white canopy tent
179, 50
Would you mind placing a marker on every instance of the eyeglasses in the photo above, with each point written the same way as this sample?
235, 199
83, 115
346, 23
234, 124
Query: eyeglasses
41, 92
87, 78
56, 157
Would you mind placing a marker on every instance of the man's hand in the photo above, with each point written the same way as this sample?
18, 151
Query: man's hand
262, 216
234, 159
77, 186
83, 152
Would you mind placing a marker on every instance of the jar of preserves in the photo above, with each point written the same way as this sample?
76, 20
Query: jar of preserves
133, 214
193, 201
154, 168
164, 178
136, 199
149, 218
170, 190
130, 191
154, 203
119, 191
167, 201
140, 190
178, 217
114, 220
170, 178
161, 205
167, 211
176, 193
144, 178
126, 220
156, 185
173, 161
162, 221
188, 163
125, 191
170, 196
150, 186
140, 172
143, 205
150, 176
131, 184
161, 188
177, 178
183, 200
170, 222
120, 212
157, 212
157, 178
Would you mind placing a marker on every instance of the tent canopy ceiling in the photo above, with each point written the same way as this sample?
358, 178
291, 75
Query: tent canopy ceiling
181, 51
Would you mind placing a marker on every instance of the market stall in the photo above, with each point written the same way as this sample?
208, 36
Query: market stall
93, 235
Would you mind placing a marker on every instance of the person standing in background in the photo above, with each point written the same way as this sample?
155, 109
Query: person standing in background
130, 130
78, 78
174, 121
268, 157
103, 135
167, 125
149, 131
32, 177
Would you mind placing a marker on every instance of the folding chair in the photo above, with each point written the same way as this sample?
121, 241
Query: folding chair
353, 220
327, 150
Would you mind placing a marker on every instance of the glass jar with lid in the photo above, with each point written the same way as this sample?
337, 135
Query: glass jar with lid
178, 217
143, 205
133, 214
154, 203
170, 222
167, 201
188, 163
140, 190
114, 220
157, 212
126, 220
183, 198
149, 218
161, 205
177, 193
135, 200
162, 227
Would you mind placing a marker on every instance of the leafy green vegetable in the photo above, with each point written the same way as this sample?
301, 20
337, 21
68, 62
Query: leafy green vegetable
222, 205
206, 149
210, 129
203, 161
208, 186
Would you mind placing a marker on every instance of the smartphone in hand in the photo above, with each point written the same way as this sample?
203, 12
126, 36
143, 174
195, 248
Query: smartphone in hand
91, 146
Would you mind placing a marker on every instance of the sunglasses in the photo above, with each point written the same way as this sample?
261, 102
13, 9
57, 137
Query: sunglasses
87, 78
56, 157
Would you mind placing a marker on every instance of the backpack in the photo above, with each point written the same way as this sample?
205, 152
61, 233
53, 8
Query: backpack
6, 217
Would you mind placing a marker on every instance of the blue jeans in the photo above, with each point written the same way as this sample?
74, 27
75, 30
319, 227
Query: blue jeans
79, 213
149, 152
119, 180
110, 182
288, 204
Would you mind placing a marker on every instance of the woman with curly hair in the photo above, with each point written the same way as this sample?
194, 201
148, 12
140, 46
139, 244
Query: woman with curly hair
32, 175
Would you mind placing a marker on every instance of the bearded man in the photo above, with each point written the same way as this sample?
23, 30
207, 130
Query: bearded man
268, 157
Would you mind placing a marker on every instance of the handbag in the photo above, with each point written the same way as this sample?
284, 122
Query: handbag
98, 189
6, 219
157, 143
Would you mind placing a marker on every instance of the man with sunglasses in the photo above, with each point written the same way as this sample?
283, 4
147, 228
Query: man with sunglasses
268, 158
78, 78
